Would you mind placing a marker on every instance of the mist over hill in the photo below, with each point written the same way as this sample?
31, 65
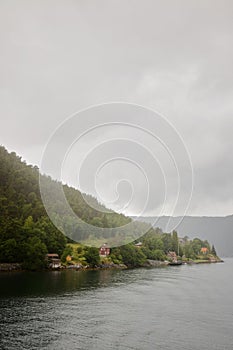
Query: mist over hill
23, 217
26, 231
217, 230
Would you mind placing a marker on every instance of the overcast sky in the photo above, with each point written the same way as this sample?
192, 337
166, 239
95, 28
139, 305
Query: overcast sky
175, 57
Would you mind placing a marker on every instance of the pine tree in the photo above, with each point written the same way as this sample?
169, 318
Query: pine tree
213, 250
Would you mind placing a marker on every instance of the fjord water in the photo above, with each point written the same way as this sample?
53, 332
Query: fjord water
186, 307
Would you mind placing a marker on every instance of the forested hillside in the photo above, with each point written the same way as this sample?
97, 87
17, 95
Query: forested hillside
26, 231
27, 234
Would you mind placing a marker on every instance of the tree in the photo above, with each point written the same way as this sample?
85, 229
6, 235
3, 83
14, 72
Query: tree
67, 251
8, 251
34, 254
213, 251
153, 241
129, 255
188, 250
197, 244
158, 254
175, 242
92, 256
167, 241
29, 223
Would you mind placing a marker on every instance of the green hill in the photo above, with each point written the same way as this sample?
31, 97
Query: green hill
26, 231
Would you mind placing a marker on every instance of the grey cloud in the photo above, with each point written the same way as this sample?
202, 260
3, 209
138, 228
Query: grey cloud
176, 57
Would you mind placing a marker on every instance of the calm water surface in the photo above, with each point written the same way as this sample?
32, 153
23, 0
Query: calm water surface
186, 307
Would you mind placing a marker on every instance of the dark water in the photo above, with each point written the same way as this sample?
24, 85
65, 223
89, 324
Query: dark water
187, 307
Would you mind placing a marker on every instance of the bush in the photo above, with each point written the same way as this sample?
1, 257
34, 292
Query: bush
92, 256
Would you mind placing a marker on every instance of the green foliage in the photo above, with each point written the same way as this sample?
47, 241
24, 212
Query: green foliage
67, 251
175, 242
153, 240
92, 256
167, 242
129, 255
22, 214
8, 250
192, 249
158, 254
79, 250
34, 254
188, 251
213, 250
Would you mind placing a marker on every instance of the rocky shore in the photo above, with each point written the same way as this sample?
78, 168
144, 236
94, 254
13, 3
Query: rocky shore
7, 267
10, 267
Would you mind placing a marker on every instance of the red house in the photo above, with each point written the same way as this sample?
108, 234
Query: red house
104, 250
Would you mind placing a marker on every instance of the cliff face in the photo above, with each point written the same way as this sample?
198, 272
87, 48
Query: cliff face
217, 230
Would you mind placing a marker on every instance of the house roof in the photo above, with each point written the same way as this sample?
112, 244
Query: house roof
104, 246
52, 255
204, 249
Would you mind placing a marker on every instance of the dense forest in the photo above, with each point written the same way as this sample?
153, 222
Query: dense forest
27, 234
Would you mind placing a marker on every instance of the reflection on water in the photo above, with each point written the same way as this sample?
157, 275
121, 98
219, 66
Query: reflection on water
52, 282
187, 307
48, 283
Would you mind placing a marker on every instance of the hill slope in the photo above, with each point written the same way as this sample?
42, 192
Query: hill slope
27, 234
25, 229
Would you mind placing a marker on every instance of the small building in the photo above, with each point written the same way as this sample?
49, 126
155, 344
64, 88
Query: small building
53, 261
139, 244
204, 250
104, 250
172, 256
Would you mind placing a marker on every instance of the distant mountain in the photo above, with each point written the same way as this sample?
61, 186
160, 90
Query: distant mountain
217, 230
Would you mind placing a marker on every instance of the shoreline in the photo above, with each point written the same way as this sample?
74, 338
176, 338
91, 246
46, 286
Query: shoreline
16, 267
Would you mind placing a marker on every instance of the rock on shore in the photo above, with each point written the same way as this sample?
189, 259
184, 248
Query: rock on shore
10, 267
